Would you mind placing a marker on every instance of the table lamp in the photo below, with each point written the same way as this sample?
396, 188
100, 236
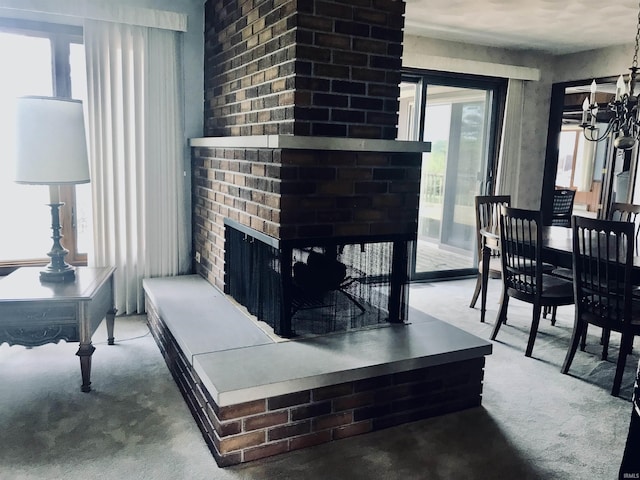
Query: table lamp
51, 149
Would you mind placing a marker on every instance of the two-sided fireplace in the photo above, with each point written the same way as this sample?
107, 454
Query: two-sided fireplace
317, 286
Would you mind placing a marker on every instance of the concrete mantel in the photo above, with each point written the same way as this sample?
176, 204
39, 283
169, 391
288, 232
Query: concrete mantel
312, 143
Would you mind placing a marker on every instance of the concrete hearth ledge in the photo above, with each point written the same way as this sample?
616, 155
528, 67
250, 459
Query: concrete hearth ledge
312, 143
238, 362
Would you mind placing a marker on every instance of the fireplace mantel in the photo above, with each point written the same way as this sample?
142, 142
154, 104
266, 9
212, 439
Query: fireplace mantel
312, 143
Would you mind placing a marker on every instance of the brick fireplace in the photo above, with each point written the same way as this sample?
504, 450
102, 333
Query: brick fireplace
301, 102
299, 153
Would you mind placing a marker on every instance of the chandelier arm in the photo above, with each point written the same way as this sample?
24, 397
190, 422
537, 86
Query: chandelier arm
598, 138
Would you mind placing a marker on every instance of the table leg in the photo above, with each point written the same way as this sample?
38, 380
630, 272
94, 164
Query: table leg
111, 316
84, 352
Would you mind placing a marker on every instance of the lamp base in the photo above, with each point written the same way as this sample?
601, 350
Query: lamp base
58, 275
58, 271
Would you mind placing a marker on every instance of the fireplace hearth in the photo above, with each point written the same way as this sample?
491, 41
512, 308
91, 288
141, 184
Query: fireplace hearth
317, 286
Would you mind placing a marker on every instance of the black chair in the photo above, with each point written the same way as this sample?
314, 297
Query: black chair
627, 212
623, 212
562, 207
489, 264
523, 274
602, 263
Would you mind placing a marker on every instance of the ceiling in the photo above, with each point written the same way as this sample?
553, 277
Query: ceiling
552, 26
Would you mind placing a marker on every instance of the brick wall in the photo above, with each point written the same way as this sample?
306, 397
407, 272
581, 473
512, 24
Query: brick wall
321, 68
271, 426
301, 194
314, 67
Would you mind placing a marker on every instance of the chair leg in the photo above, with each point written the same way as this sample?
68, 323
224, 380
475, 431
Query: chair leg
554, 310
535, 322
604, 340
486, 258
502, 314
625, 344
476, 292
583, 338
579, 331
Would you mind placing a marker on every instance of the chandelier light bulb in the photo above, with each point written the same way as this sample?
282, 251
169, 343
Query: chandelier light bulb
621, 88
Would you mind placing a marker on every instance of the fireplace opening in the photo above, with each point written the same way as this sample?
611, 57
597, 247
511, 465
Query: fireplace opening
314, 287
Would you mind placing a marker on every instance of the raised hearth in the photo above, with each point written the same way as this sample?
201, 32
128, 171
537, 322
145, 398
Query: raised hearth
250, 400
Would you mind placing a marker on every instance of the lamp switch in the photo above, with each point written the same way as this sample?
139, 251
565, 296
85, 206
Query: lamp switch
198, 257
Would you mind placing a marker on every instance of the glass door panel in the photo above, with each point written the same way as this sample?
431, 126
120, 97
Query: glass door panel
459, 121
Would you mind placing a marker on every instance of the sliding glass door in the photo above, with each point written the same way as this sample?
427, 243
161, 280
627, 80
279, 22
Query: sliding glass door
459, 116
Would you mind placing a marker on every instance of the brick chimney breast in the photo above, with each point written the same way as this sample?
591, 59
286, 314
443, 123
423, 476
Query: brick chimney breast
324, 70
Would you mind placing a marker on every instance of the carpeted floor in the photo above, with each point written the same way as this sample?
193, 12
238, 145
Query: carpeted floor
535, 423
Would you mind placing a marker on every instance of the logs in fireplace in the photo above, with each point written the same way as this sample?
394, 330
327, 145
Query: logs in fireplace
317, 286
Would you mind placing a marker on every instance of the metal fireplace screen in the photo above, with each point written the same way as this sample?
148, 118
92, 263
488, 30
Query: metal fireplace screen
302, 289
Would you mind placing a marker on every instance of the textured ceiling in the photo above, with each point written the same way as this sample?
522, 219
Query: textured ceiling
553, 26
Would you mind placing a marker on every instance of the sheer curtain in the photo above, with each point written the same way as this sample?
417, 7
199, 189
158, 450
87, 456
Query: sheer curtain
135, 124
511, 142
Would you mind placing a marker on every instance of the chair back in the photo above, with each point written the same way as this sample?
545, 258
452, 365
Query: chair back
602, 263
562, 207
627, 212
488, 215
521, 244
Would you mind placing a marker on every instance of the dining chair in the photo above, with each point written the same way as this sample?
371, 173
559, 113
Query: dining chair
603, 253
487, 208
562, 207
622, 212
627, 212
523, 276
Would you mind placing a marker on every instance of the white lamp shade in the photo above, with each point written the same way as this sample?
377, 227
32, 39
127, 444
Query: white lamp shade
51, 144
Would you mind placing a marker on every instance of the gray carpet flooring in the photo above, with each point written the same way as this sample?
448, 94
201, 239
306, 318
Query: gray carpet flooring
535, 423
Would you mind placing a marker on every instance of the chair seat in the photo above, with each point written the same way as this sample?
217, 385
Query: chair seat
557, 288
562, 272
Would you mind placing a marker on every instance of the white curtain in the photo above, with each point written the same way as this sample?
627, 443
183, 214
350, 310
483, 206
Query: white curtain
136, 138
511, 142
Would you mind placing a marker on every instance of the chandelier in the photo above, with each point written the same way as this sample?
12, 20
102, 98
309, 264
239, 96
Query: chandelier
625, 109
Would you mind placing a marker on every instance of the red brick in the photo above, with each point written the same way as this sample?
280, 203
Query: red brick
288, 400
287, 431
266, 420
242, 410
333, 420
239, 442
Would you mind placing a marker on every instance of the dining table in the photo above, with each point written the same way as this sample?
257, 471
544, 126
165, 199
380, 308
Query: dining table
557, 248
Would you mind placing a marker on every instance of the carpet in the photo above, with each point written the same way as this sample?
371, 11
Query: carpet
535, 423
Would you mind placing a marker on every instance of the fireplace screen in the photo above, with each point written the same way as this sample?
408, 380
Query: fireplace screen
303, 289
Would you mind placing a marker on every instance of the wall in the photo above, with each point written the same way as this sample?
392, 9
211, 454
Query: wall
604, 62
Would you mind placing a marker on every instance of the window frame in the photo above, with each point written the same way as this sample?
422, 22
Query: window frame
60, 38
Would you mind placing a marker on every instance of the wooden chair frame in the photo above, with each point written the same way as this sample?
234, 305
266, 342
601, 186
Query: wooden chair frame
523, 274
603, 252
487, 217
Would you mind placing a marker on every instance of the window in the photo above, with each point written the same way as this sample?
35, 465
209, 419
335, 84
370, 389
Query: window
48, 60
